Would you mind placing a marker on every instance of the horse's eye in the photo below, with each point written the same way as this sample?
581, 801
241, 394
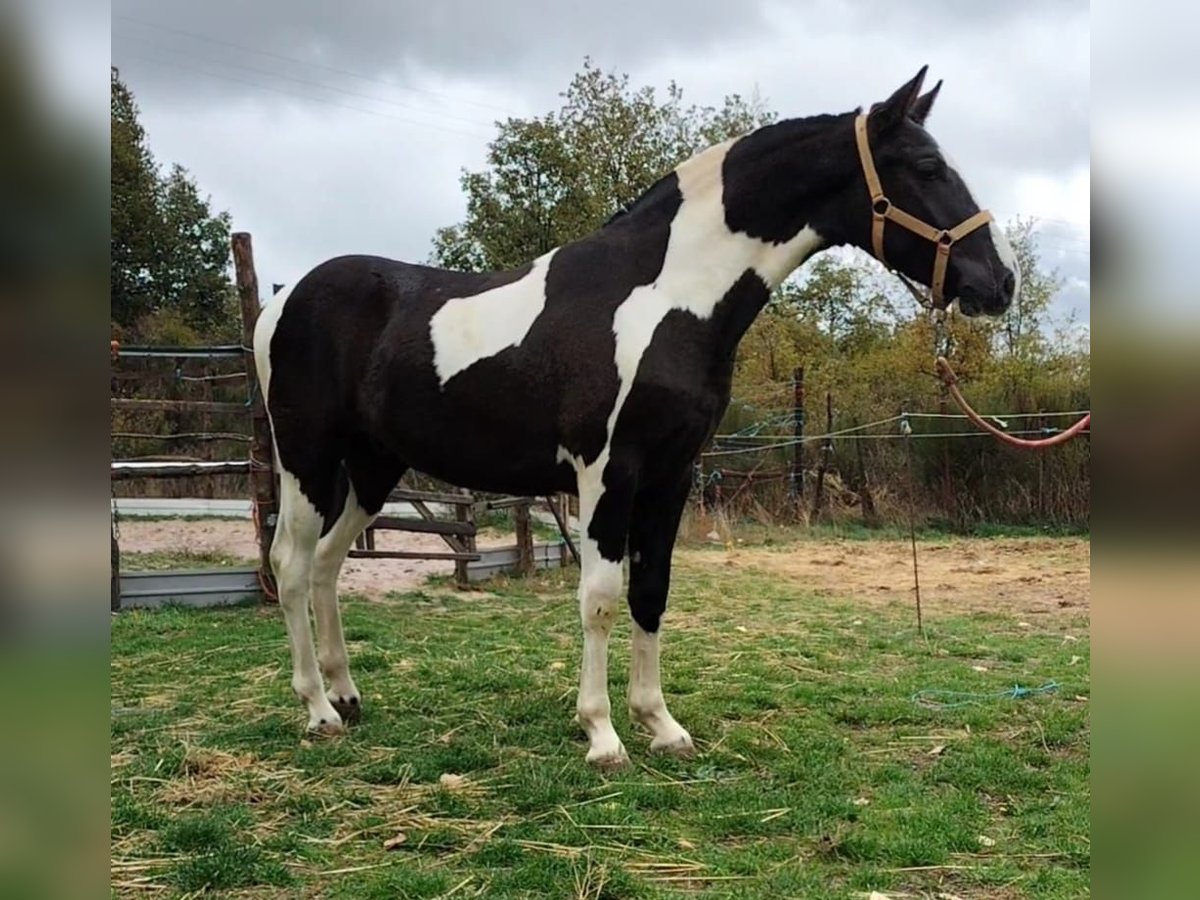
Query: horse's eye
931, 169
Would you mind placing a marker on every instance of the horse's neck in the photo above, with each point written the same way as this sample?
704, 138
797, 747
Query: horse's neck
704, 258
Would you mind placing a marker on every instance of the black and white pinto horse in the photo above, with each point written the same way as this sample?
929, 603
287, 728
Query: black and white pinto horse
600, 369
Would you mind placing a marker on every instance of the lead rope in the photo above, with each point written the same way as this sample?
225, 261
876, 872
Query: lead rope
951, 382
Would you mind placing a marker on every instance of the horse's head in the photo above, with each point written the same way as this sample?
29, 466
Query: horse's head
913, 211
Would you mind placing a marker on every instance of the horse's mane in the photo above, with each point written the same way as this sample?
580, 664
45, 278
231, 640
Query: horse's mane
797, 128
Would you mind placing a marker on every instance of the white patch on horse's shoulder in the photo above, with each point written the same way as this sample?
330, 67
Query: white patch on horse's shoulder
468, 329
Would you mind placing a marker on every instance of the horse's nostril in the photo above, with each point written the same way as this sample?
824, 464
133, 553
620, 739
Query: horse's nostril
1010, 284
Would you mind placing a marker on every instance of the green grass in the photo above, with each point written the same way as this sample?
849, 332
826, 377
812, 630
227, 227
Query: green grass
502, 520
817, 776
162, 560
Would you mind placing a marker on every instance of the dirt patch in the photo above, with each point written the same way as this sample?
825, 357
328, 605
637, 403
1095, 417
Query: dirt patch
1024, 577
369, 577
1019, 576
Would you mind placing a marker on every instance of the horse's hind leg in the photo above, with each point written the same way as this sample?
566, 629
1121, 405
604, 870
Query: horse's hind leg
374, 478
297, 533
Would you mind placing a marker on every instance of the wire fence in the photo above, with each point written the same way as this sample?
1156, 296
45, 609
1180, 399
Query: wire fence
862, 472
729, 444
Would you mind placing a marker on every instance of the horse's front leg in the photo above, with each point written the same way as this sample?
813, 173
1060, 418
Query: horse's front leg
604, 502
652, 531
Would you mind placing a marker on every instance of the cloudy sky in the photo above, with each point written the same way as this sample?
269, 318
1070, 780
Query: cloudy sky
336, 127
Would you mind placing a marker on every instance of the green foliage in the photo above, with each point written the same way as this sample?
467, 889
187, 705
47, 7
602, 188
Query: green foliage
865, 342
552, 179
169, 251
1022, 329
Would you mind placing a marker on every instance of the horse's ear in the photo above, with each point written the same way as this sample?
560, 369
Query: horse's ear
895, 108
920, 110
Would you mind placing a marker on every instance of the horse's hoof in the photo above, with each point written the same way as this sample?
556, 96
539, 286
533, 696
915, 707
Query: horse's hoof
324, 728
350, 709
680, 746
609, 761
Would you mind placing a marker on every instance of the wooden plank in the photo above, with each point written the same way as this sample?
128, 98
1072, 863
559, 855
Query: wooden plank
262, 470
422, 526
181, 436
411, 554
426, 513
504, 502
199, 406
143, 351
401, 495
177, 470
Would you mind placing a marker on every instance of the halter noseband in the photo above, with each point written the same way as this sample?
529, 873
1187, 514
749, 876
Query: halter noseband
882, 210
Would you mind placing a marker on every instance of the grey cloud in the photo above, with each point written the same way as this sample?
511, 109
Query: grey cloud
390, 39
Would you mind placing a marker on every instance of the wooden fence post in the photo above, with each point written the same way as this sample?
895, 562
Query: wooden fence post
948, 505
826, 452
464, 512
870, 517
115, 603
263, 495
524, 529
1041, 464
797, 476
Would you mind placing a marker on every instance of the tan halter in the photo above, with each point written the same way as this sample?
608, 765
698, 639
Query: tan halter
882, 210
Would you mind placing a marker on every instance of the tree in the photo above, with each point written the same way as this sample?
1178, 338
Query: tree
169, 251
1021, 331
134, 209
555, 178
841, 298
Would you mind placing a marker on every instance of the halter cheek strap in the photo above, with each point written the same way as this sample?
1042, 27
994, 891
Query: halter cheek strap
883, 210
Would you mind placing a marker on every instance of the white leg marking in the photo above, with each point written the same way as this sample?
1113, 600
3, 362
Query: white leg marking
327, 563
600, 583
646, 703
292, 558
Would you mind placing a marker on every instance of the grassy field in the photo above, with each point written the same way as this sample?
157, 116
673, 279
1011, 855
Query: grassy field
817, 775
